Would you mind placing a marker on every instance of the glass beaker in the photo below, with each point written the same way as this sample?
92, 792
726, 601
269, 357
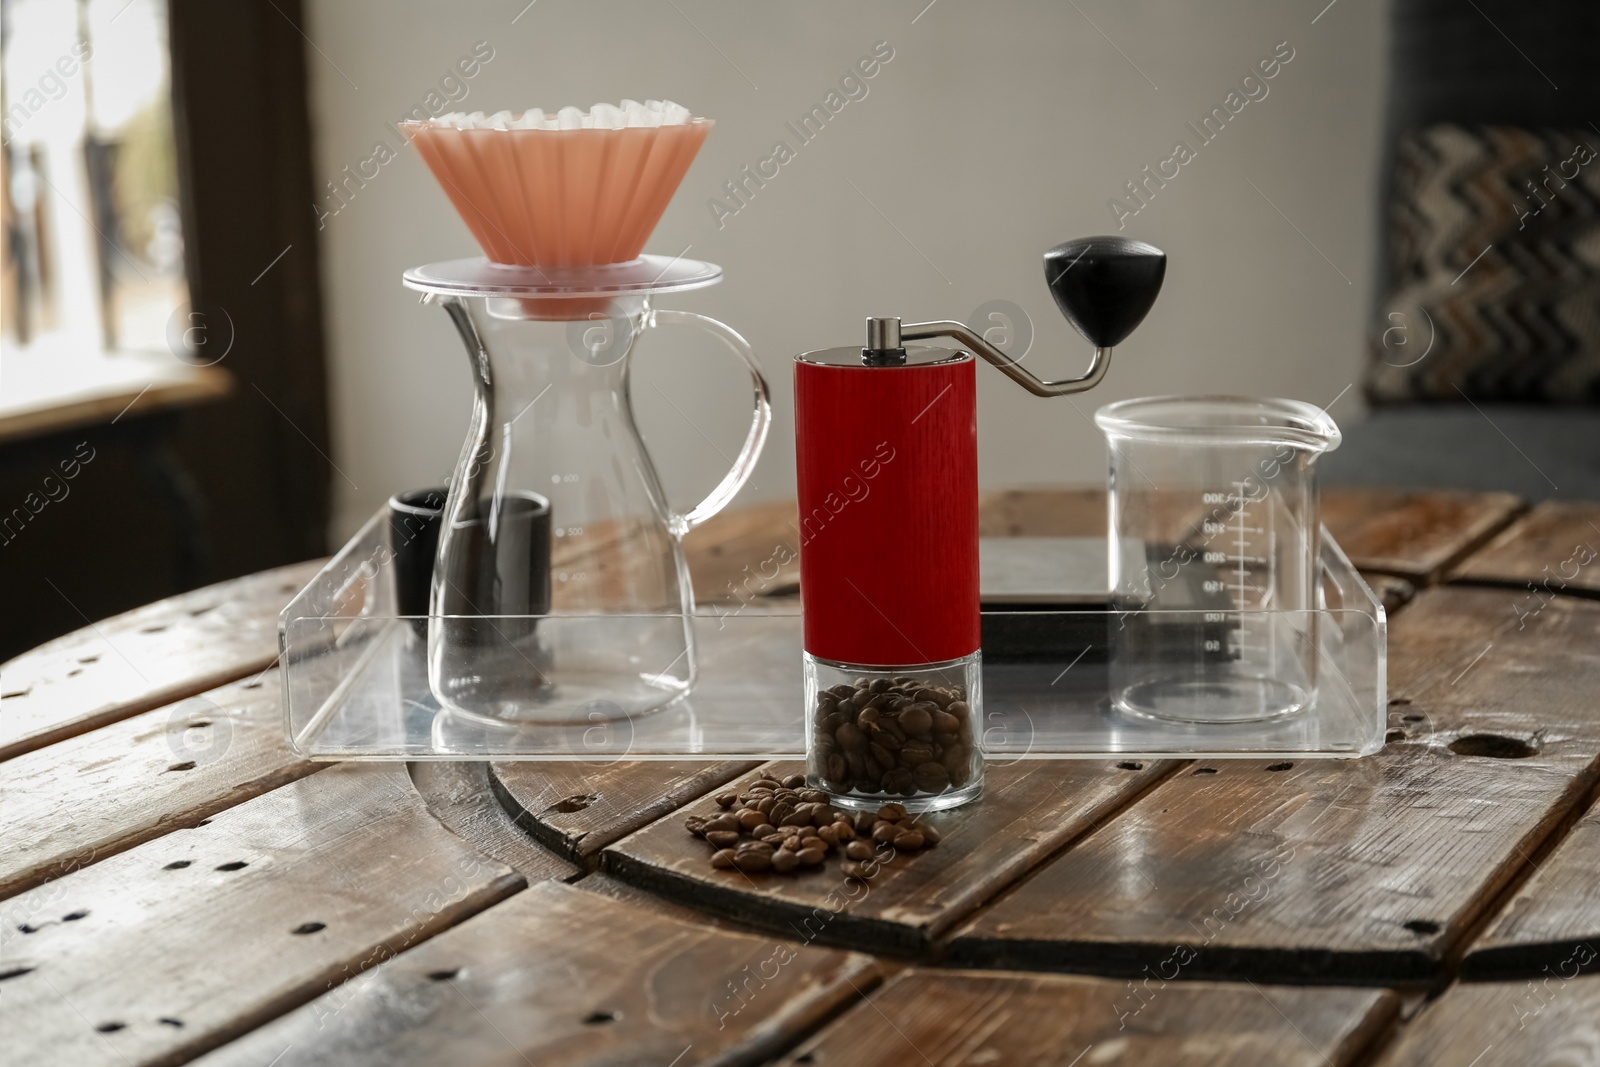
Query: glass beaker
1213, 519
560, 591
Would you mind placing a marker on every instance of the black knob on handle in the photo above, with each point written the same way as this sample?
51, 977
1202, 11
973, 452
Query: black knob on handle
1105, 285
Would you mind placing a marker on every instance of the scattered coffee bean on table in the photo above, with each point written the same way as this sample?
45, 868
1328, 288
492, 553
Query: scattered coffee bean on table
783, 826
893, 737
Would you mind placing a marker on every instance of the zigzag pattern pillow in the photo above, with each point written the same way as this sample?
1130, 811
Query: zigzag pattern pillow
1494, 268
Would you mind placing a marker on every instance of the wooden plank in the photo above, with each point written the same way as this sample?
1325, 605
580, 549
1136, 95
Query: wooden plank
460, 796
559, 975
143, 659
1555, 548
1395, 858
1488, 661
184, 942
1548, 1023
1415, 533
1077, 512
1554, 916
92, 796
1030, 809
746, 552
577, 808
956, 1017
1369, 872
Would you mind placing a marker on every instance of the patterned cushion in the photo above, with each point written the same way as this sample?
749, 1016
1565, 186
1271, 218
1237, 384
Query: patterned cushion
1494, 268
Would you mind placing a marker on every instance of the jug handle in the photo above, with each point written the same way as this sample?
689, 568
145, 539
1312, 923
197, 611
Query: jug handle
760, 421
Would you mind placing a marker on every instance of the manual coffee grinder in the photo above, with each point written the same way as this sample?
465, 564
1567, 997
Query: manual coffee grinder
887, 450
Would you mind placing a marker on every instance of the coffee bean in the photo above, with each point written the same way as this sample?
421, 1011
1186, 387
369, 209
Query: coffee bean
884, 831
931, 777
722, 822
908, 840
723, 838
696, 825
753, 861
844, 827
917, 720
863, 871
750, 818
892, 812
899, 781
930, 835
838, 772
858, 850
784, 862
794, 781
850, 738
810, 857
829, 833
722, 858
916, 752
762, 831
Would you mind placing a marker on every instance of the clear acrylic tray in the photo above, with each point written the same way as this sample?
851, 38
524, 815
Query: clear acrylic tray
355, 683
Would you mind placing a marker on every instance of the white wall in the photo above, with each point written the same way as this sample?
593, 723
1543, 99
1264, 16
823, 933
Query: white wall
996, 131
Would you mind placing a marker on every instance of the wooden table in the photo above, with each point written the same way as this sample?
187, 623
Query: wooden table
178, 886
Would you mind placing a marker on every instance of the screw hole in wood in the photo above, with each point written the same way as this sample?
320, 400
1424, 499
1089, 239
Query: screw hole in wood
1422, 927
177, 865
309, 928
186, 765
1493, 746
74, 916
167, 1020
1279, 766
232, 865
14, 971
111, 1027
600, 1018
1205, 770
443, 976
575, 803
1130, 765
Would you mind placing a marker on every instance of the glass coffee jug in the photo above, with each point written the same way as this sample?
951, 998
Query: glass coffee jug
560, 590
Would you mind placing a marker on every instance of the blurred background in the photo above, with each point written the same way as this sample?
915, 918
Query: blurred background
208, 208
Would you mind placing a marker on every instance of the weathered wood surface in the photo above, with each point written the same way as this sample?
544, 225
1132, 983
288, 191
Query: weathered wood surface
461, 797
957, 1017
1367, 872
746, 552
1552, 1022
1555, 914
577, 809
1381, 866
1042, 513
1029, 810
1494, 662
1414, 533
1555, 548
182, 943
145, 658
559, 975
92, 796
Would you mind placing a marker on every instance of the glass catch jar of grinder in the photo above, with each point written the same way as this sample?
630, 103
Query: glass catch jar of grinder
887, 454
560, 592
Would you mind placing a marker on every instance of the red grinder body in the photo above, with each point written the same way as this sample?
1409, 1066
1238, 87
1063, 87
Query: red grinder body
888, 487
